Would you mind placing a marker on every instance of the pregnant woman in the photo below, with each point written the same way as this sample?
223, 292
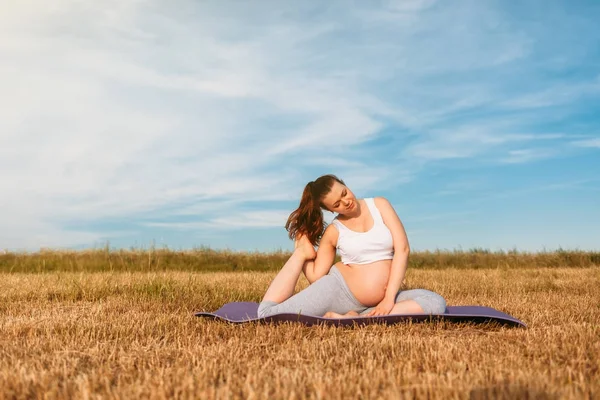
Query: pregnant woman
374, 250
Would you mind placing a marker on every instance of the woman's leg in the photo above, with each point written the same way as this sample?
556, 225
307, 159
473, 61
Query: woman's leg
430, 302
416, 301
285, 281
325, 294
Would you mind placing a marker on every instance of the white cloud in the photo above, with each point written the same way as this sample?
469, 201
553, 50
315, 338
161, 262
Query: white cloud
475, 138
236, 221
256, 219
595, 142
556, 95
527, 155
576, 184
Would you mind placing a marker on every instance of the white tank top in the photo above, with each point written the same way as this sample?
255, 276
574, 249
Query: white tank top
365, 247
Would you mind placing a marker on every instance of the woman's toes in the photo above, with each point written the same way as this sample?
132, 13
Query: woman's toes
349, 314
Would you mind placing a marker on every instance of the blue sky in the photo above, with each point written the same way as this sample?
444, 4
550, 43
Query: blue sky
187, 124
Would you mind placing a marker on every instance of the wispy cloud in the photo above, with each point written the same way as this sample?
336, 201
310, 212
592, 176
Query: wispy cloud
572, 185
528, 155
595, 143
556, 95
475, 139
256, 219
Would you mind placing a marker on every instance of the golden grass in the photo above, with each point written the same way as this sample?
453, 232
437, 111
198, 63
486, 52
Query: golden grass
132, 335
208, 260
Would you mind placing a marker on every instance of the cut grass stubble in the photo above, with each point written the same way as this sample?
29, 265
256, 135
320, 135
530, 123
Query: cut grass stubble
132, 334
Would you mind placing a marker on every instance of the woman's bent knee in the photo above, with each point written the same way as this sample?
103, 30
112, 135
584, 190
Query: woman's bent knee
265, 308
430, 302
433, 304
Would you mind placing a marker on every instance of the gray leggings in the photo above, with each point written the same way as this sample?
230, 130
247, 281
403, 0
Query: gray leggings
331, 293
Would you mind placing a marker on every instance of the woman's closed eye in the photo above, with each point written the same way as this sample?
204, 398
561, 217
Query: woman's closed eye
337, 203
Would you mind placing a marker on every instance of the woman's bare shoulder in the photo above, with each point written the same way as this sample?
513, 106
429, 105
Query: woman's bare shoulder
331, 234
382, 203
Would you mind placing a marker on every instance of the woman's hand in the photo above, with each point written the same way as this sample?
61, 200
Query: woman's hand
383, 308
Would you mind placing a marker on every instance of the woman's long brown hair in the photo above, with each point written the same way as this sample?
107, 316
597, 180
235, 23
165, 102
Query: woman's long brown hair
307, 219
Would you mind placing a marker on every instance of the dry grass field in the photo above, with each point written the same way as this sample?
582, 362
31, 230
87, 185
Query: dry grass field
131, 334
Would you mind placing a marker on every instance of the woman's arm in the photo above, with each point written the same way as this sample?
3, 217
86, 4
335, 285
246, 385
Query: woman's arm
401, 247
320, 266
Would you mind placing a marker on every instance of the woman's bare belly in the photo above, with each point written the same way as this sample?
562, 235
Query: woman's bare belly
367, 282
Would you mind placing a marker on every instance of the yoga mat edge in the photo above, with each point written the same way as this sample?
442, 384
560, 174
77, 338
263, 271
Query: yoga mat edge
241, 312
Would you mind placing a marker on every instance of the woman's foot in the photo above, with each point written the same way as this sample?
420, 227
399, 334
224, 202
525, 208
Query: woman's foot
349, 314
305, 247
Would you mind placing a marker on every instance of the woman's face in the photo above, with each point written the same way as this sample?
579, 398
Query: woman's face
340, 200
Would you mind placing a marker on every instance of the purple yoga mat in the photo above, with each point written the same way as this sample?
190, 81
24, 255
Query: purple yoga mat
240, 312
